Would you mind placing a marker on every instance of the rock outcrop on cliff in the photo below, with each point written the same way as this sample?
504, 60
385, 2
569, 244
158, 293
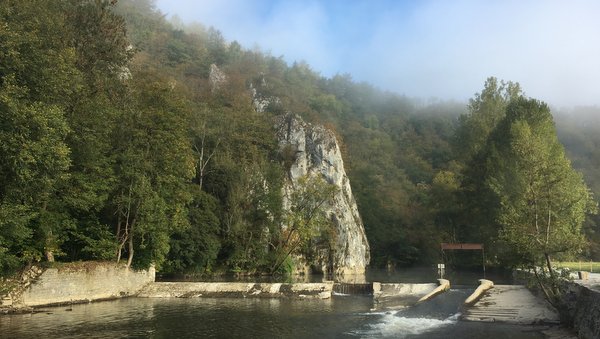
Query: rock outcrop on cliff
317, 154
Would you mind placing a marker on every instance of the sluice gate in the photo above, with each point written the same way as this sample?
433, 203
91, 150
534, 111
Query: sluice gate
353, 289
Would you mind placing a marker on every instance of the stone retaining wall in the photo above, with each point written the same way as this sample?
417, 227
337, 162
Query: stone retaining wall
582, 309
88, 282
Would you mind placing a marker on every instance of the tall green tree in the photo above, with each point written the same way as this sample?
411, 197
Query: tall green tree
37, 79
474, 221
34, 158
154, 168
486, 110
102, 54
543, 201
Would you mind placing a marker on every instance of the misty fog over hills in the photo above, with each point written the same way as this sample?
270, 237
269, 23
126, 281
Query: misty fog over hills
426, 49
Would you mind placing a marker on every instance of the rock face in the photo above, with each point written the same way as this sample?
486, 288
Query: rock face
260, 101
216, 78
317, 154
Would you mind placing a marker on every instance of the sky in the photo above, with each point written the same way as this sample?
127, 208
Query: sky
430, 49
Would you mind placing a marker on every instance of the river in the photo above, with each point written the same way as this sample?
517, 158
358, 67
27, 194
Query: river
338, 317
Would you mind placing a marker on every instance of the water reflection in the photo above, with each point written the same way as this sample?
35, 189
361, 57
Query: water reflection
427, 274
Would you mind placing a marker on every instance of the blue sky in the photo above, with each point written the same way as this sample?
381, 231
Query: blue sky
442, 49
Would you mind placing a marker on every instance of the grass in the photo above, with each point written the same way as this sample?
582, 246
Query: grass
593, 266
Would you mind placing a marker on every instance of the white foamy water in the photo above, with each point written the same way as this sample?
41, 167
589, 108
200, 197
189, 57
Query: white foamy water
394, 325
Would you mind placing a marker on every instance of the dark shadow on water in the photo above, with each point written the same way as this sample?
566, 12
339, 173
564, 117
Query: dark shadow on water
442, 306
467, 277
424, 274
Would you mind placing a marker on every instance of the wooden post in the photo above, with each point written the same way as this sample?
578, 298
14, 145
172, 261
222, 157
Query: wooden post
483, 255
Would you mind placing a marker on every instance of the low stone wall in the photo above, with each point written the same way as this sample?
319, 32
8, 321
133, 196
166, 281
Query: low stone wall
382, 290
234, 289
582, 309
74, 283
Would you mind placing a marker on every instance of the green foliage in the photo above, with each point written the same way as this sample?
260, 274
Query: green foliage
486, 110
114, 143
578, 131
590, 266
154, 166
195, 249
304, 218
35, 159
543, 201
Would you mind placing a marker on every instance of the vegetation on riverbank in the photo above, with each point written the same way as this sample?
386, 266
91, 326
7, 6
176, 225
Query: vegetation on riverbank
590, 266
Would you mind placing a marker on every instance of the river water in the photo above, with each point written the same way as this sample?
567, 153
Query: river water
338, 317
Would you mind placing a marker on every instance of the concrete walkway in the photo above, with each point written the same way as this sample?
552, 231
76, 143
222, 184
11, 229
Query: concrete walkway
593, 281
513, 304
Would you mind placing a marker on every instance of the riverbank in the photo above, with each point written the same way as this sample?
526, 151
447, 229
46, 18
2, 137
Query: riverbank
582, 306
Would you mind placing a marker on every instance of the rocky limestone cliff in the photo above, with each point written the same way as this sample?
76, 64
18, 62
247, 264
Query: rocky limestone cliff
216, 78
317, 154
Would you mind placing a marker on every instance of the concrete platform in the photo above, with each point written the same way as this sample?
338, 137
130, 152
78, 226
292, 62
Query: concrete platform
593, 281
513, 304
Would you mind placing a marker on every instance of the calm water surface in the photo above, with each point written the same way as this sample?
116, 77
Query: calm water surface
339, 317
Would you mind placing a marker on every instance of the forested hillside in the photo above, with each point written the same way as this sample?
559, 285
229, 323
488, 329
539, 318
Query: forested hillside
125, 137
578, 131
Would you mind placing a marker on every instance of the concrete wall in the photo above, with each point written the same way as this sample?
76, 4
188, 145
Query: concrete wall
582, 309
402, 289
235, 289
92, 281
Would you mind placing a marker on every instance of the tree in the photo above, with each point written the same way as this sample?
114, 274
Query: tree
474, 220
543, 202
153, 168
37, 79
34, 158
304, 218
486, 110
194, 249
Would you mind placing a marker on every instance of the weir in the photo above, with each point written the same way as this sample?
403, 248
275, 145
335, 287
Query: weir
353, 289
488, 302
379, 291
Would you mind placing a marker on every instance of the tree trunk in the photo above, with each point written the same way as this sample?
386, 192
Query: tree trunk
48, 249
49, 255
202, 163
543, 287
130, 249
549, 265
